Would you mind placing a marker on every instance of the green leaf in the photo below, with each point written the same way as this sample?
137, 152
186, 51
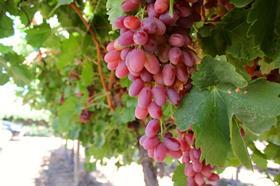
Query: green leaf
212, 72
240, 3
260, 162
38, 35
6, 25
4, 78
69, 50
238, 145
114, 10
5, 49
178, 177
64, 2
210, 112
264, 20
87, 74
273, 134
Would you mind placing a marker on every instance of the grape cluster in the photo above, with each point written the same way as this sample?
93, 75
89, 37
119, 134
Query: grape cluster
157, 148
154, 52
197, 171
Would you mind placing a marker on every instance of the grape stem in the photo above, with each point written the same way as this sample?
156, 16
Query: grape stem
98, 50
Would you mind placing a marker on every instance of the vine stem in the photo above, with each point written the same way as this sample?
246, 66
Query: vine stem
98, 50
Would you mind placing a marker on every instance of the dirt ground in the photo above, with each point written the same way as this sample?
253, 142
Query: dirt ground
43, 161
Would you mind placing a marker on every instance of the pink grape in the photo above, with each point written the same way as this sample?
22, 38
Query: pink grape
121, 70
175, 154
161, 6
161, 28
135, 87
184, 9
169, 74
152, 128
126, 39
182, 73
171, 143
145, 97
151, 153
113, 65
167, 19
151, 143
173, 96
131, 22
199, 180
184, 145
149, 25
188, 60
130, 5
159, 95
141, 113
175, 55
151, 11
206, 171
177, 40
191, 181
160, 152
196, 153
214, 177
158, 78
112, 55
118, 23
163, 54
185, 158
110, 46
124, 53
197, 166
152, 64
155, 110
189, 170
135, 60
140, 37
151, 45
142, 139
146, 76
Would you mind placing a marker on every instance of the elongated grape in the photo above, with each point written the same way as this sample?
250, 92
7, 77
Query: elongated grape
126, 39
191, 181
149, 25
167, 19
161, 6
159, 95
171, 143
131, 22
168, 74
152, 128
158, 78
152, 64
118, 23
182, 73
214, 177
160, 152
175, 55
197, 166
151, 45
151, 143
151, 11
113, 65
141, 112
140, 37
188, 60
185, 158
142, 139
146, 76
112, 55
135, 60
199, 180
177, 40
155, 110
161, 28
110, 46
130, 5
173, 96
175, 154
206, 171
121, 70
135, 87
163, 54
124, 53
145, 97
196, 153
189, 170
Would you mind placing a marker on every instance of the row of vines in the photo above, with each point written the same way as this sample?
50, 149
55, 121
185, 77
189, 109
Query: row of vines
188, 82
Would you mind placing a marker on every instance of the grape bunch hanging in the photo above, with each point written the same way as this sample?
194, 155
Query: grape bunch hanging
156, 53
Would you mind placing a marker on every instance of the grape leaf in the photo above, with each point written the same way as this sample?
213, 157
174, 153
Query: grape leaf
114, 10
4, 78
87, 74
238, 145
240, 3
38, 35
178, 177
6, 25
217, 71
264, 20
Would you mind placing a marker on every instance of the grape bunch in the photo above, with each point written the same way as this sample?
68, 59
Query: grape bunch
155, 53
197, 171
